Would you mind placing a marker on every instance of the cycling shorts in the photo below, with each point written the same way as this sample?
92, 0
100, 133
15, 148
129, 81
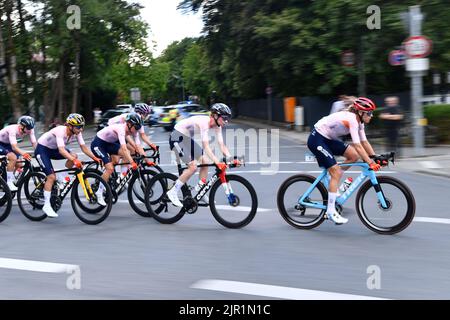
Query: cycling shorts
102, 149
44, 155
325, 149
189, 149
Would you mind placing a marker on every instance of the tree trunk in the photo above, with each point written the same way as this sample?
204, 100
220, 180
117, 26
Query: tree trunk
11, 53
76, 80
61, 110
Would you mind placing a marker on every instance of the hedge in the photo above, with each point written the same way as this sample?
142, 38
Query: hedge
439, 116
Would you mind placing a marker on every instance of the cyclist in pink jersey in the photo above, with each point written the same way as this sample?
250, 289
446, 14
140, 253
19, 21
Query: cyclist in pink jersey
191, 152
8, 145
111, 143
52, 145
143, 110
324, 142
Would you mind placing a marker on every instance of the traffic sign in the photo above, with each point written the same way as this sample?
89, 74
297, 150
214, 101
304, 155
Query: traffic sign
397, 57
348, 58
418, 47
269, 90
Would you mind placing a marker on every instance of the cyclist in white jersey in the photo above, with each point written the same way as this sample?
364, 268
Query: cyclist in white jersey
52, 145
143, 110
111, 143
324, 142
9, 148
192, 153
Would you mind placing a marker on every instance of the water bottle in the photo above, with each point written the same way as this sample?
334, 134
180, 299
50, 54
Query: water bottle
344, 186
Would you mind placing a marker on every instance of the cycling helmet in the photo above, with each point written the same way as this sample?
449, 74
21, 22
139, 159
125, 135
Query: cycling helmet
76, 120
143, 108
221, 109
27, 122
135, 120
364, 104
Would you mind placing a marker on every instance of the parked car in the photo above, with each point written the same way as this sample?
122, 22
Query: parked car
111, 113
127, 107
175, 113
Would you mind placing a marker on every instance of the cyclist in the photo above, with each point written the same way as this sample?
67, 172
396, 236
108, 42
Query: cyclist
110, 143
52, 145
192, 153
8, 145
143, 110
324, 142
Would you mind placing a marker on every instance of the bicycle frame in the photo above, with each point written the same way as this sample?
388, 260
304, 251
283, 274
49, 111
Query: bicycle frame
366, 173
80, 176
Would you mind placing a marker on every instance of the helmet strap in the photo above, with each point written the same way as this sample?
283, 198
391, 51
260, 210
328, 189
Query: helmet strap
216, 119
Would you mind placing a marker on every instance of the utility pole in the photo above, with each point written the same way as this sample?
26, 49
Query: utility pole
415, 29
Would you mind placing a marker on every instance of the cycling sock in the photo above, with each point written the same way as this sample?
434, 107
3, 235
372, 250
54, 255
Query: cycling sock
331, 201
178, 184
47, 195
9, 176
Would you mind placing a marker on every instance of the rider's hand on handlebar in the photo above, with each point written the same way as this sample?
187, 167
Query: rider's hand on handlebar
374, 166
154, 146
236, 162
27, 156
221, 166
77, 163
134, 166
98, 160
150, 163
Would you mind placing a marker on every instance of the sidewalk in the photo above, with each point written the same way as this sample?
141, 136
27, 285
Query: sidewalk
434, 160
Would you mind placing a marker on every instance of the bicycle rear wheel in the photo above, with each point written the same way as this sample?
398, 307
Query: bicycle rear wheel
95, 213
5, 200
393, 219
30, 196
296, 214
237, 207
157, 202
136, 191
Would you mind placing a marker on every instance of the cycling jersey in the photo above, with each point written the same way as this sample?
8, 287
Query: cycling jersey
340, 124
109, 140
122, 119
9, 134
198, 124
57, 137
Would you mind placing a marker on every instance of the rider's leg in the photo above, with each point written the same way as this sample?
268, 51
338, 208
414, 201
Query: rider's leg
12, 159
336, 174
203, 174
350, 156
185, 176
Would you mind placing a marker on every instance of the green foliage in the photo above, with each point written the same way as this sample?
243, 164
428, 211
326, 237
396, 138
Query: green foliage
439, 116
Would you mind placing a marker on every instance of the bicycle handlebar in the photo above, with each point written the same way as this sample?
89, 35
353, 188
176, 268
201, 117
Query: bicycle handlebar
383, 159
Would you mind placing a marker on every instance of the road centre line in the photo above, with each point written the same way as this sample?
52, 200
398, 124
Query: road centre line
37, 266
275, 291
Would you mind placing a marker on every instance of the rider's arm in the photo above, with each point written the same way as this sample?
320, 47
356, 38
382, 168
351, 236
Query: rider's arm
368, 147
87, 151
126, 152
209, 152
146, 139
222, 145
130, 140
362, 152
65, 153
16, 149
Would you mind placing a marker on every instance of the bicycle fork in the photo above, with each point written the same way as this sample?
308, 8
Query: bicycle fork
84, 185
227, 188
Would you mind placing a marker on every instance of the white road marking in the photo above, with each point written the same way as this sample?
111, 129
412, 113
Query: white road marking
241, 208
431, 164
275, 291
38, 266
432, 220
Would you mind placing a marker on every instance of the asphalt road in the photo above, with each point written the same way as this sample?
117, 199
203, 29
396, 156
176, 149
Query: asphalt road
130, 257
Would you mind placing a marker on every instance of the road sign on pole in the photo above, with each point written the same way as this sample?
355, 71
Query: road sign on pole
418, 47
397, 57
135, 94
348, 58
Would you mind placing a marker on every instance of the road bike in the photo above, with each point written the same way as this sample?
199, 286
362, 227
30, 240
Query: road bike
5, 193
135, 182
234, 207
30, 195
384, 204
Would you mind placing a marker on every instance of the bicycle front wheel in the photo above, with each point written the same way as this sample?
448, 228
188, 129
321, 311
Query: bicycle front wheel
400, 211
30, 196
236, 207
88, 210
302, 216
136, 191
158, 204
5, 200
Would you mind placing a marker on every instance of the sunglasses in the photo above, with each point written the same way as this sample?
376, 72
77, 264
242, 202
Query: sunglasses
369, 113
225, 118
79, 127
